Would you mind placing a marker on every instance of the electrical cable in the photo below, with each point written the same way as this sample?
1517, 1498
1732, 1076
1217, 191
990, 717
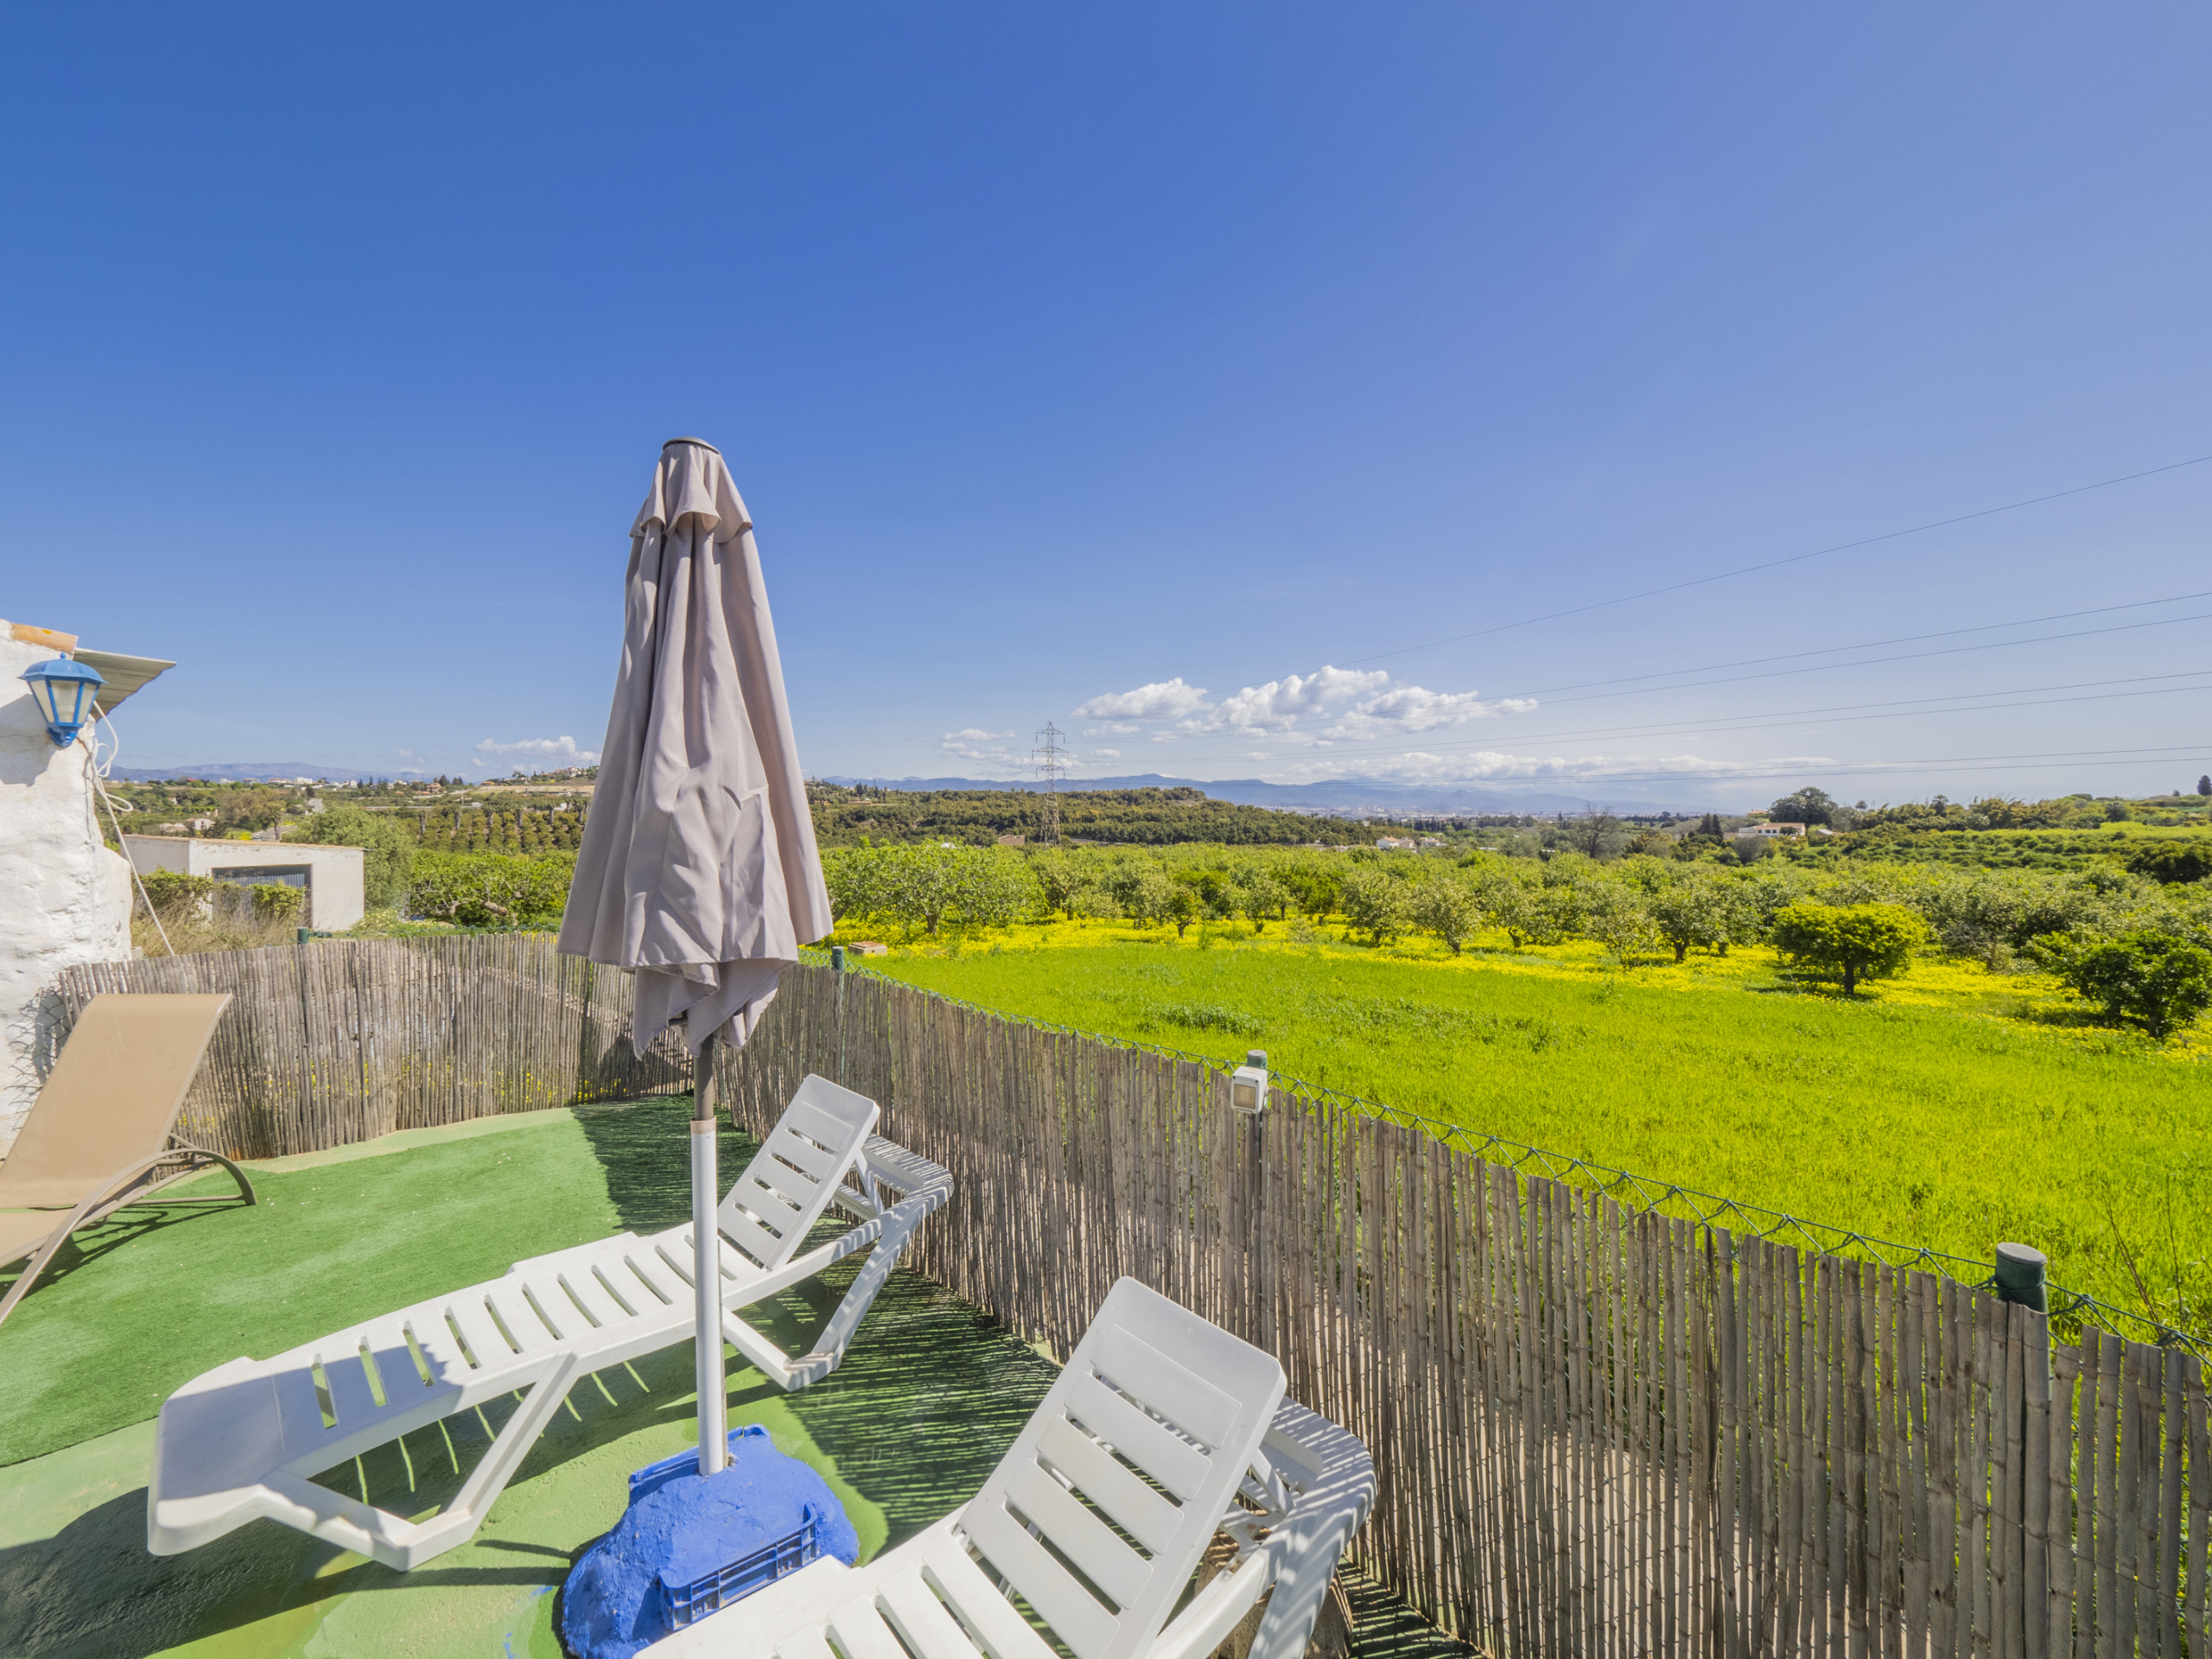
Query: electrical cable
1783, 720
98, 774
1871, 645
1824, 717
1794, 558
1902, 657
1849, 769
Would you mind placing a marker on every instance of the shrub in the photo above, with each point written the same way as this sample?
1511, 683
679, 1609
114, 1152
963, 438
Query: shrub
1852, 942
2171, 862
490, 889
174, 895
2153, 979
275, 903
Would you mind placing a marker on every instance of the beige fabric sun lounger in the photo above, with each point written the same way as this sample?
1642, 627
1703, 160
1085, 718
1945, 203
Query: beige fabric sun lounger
102, 1135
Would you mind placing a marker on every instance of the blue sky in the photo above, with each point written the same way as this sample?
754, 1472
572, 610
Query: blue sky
1114, 365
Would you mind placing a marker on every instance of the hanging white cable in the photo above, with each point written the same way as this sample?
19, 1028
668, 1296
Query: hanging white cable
97, 772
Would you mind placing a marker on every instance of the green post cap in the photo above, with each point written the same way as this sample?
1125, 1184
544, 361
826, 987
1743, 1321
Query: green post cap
2023, 1273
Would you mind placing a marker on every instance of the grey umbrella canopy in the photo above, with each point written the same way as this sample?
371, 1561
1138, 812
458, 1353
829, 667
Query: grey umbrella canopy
698, 870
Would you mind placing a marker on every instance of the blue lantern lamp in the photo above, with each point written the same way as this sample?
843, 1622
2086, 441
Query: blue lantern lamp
64, 690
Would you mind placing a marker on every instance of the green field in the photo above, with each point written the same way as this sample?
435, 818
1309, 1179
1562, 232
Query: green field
1954, 1108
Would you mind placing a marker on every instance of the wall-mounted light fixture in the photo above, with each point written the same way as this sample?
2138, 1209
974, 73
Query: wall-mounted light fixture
1248, 1084
65, 692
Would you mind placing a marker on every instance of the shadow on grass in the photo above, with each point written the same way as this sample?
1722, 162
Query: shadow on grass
1385, 1628
644, 1149
89, 1244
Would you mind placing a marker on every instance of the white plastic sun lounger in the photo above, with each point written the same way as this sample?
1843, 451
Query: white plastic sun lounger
242, 1441
1163, 1430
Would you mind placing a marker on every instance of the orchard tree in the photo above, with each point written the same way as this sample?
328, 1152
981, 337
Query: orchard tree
1617, 918
1526, 911
1376, 903
2153, 979
1687, 912
1447, 907
1852, 942
1182, 907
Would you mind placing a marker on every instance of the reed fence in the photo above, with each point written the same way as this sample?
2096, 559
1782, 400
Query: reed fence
345, 1039
1600, 1429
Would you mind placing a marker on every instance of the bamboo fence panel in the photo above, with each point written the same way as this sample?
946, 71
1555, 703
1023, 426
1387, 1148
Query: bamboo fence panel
345, 1039
1597, 1430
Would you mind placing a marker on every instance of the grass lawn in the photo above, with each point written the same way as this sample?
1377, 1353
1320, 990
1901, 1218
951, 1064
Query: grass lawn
1952, 1108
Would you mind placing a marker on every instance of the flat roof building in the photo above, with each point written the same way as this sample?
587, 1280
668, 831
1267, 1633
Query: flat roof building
329, 877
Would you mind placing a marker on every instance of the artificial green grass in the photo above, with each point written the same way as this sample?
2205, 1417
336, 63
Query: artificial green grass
1928, 1125
928, 1396
927, 1401
159, 1293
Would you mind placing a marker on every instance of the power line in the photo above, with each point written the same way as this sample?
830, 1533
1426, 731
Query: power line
1816, 768
1869, 645
1781, 720
1774, 564
1902, 657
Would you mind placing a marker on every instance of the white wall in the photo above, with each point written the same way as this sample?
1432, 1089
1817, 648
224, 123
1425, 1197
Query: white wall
64, 897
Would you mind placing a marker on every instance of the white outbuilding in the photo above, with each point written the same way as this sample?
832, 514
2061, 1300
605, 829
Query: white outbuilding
329, 877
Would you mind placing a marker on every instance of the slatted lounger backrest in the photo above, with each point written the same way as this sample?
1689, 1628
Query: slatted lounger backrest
1126, 1469
786, 1187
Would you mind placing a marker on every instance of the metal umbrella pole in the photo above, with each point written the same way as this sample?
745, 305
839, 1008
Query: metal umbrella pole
707, 1271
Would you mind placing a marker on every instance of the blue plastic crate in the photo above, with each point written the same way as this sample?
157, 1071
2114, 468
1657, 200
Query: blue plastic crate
716, 1590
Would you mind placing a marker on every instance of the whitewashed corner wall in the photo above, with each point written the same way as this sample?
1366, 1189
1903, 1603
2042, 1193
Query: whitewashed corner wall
64, 897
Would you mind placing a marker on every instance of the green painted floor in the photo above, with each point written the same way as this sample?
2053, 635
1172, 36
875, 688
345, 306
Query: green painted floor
929, 1397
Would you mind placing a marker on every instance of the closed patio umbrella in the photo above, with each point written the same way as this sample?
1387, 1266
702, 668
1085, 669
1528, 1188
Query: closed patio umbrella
698, 871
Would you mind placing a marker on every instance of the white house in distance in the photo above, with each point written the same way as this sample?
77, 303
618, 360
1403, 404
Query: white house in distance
64, 899
330, 878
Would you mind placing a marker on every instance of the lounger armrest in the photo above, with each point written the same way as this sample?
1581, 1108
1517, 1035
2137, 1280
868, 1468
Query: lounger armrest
930, 1187
1214, 1611
1333, 1479
884, 1164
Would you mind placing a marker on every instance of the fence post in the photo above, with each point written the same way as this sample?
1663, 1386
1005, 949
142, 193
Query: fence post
1248, 1095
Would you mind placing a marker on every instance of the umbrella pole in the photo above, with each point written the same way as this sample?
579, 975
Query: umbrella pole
706, 1272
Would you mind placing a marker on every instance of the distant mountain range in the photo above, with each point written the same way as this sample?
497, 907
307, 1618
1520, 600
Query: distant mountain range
250, 772
1347, 796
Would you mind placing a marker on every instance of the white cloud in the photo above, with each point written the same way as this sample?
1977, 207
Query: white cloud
1107, 754
974, 743
563, 750
1487, 766
1330, 704
1162, 699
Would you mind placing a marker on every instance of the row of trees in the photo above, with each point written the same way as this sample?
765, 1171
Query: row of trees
1857, 922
